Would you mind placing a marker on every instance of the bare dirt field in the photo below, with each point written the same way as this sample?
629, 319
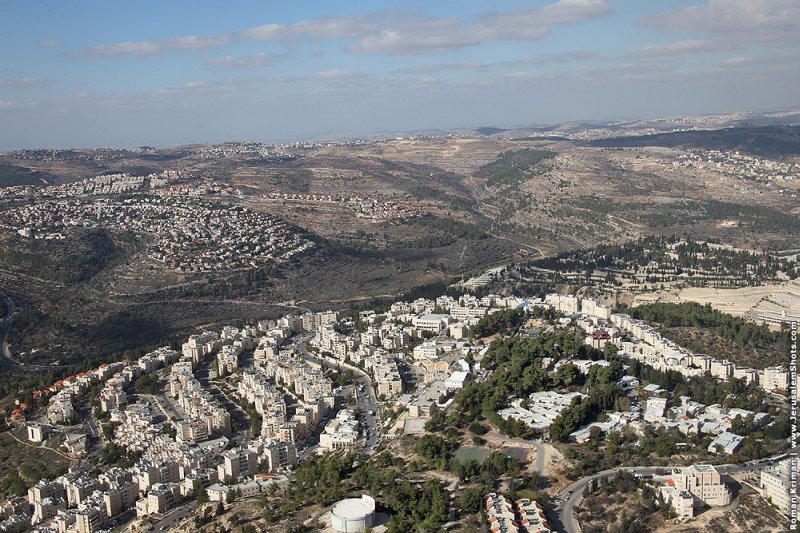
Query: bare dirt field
737, 302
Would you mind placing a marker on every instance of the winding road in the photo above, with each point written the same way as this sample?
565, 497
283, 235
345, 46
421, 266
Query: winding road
574, 491
5, 325
5, 354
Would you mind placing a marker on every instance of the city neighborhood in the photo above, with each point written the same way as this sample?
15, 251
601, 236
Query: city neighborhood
415, 356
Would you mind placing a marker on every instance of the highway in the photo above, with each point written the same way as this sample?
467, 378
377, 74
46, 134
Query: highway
573, 493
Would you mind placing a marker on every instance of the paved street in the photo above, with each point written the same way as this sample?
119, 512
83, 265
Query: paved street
365, 394
573, 493
174, 516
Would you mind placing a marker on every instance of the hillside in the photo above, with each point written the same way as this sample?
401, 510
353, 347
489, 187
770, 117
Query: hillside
764, 140
385, 217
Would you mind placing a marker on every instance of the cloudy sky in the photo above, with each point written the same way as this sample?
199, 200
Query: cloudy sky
100, 73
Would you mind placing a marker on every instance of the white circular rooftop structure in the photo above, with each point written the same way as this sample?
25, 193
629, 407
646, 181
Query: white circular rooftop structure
353, 515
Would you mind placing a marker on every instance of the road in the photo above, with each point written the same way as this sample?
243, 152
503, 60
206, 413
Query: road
539, 465
239, 415
172, 416
366, 400
574, 492
5, 325
5, 353
90, 425
174, 516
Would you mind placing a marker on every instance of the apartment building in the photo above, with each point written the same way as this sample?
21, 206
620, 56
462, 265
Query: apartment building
775, 482
703, 482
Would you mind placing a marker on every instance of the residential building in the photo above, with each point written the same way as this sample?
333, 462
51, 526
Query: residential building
775, 482
727, 442
703, 482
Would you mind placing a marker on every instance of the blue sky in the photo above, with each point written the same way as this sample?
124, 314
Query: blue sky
106, 73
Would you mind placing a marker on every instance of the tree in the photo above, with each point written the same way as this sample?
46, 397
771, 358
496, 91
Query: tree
610, 352
478, 428
471, 500
503, 321
567, 375
434, 449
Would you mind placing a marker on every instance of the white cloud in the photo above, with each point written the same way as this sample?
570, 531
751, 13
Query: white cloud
20, 82
386, 33
680, 47
771, 62
733, 62
8, 104
561, 12
770, 21
424, 35
251, 60
560, 57
335, 74
48, 43
440, 67
321, 28
627, 71
187, 43
196, 42
126, 48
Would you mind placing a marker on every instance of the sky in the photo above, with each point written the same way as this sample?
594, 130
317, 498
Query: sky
96, 73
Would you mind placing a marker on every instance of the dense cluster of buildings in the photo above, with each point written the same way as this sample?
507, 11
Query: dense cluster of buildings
108, 184
372, 208
191, 234
738, 165
191, 449
172, 465
639, 340
260, 151
85, 154
103, 185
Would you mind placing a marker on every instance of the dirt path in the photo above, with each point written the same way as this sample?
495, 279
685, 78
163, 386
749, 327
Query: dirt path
41, 447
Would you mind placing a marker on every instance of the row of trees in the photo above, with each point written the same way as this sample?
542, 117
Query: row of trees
691, 314
746, 344
671, 258
508, 321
